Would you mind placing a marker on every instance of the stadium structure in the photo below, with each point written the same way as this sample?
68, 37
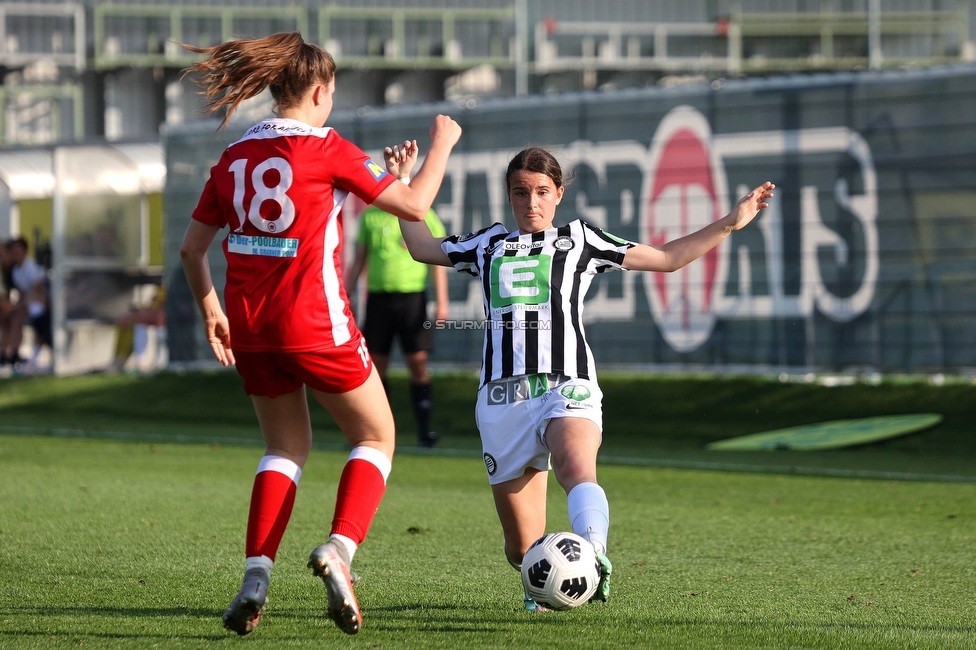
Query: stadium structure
860, 110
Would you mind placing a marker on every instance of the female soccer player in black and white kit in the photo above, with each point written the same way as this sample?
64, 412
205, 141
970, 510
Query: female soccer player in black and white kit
539, 399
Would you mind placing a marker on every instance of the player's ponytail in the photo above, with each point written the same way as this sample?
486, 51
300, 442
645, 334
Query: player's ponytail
241, 69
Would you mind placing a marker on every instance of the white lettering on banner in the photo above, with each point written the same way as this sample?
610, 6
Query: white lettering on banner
815, 234
685, 187
263, 246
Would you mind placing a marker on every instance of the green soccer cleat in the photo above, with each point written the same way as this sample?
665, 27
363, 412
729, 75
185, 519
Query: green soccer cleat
244, 612
326, 563
603, 588
534, 607
530, 604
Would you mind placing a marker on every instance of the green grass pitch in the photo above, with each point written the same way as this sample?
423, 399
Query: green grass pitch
138, 543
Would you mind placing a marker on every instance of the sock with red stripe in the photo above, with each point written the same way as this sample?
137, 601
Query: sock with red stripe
361, 489
272, 500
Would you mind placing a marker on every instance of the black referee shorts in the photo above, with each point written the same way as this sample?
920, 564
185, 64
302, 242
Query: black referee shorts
397, 314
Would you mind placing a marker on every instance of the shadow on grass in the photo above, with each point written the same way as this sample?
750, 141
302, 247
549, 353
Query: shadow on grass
113, 612
557, 620
793, 625
137, 612
118, 636
444, 619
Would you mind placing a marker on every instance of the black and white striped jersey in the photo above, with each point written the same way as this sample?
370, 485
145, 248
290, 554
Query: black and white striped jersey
533, 288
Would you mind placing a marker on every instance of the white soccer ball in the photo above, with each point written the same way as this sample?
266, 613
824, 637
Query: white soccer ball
560, 571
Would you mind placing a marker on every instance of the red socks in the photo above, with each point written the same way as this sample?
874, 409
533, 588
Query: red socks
361, 489
272, 500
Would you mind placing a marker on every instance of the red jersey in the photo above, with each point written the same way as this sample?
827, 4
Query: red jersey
280, 189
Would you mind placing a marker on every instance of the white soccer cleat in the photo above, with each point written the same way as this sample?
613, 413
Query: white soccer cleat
244, 612
326, 563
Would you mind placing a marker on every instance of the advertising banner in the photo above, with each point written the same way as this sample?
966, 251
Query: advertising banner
865, 259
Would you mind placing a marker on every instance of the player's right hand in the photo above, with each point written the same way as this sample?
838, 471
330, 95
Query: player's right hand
218, 335
446, 130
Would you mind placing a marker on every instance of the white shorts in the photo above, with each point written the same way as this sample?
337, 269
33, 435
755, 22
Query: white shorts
512, 416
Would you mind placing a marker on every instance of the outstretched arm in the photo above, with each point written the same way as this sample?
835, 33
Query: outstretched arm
679, 252
423, 246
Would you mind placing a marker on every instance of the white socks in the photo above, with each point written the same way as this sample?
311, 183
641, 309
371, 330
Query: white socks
258, 562
345, 544
347, 548
589, 514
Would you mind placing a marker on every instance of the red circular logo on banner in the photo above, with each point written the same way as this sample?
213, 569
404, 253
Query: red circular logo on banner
687, 191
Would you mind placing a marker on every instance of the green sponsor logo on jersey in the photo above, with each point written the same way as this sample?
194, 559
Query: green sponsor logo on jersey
615, 238
520, 280
538, 385
575, 393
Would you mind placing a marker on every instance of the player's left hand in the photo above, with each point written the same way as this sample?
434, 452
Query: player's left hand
746, 208
401, 158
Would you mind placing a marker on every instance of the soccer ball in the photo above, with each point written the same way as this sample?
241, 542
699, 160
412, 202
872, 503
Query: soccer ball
560, 571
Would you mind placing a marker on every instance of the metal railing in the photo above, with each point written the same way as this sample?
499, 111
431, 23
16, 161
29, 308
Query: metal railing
863, 32
433, 42
59, 37
149, 36
753, 42
41, 100
376, 38
624, 46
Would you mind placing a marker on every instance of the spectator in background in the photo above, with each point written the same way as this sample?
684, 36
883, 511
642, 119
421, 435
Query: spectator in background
6, 306
397, 303
132, 329
31, 307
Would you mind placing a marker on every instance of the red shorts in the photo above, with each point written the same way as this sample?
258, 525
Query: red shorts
338, 370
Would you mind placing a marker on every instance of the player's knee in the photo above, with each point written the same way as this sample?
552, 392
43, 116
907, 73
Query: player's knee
417, 367
571, 472
382, 439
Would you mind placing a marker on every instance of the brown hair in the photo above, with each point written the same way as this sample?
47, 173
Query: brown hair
239, 70
534, 159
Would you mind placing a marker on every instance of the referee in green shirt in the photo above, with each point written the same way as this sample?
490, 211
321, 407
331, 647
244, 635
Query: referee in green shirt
397, 304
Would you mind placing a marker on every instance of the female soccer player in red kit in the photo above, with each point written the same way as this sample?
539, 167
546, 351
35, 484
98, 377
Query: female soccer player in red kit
288, 326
